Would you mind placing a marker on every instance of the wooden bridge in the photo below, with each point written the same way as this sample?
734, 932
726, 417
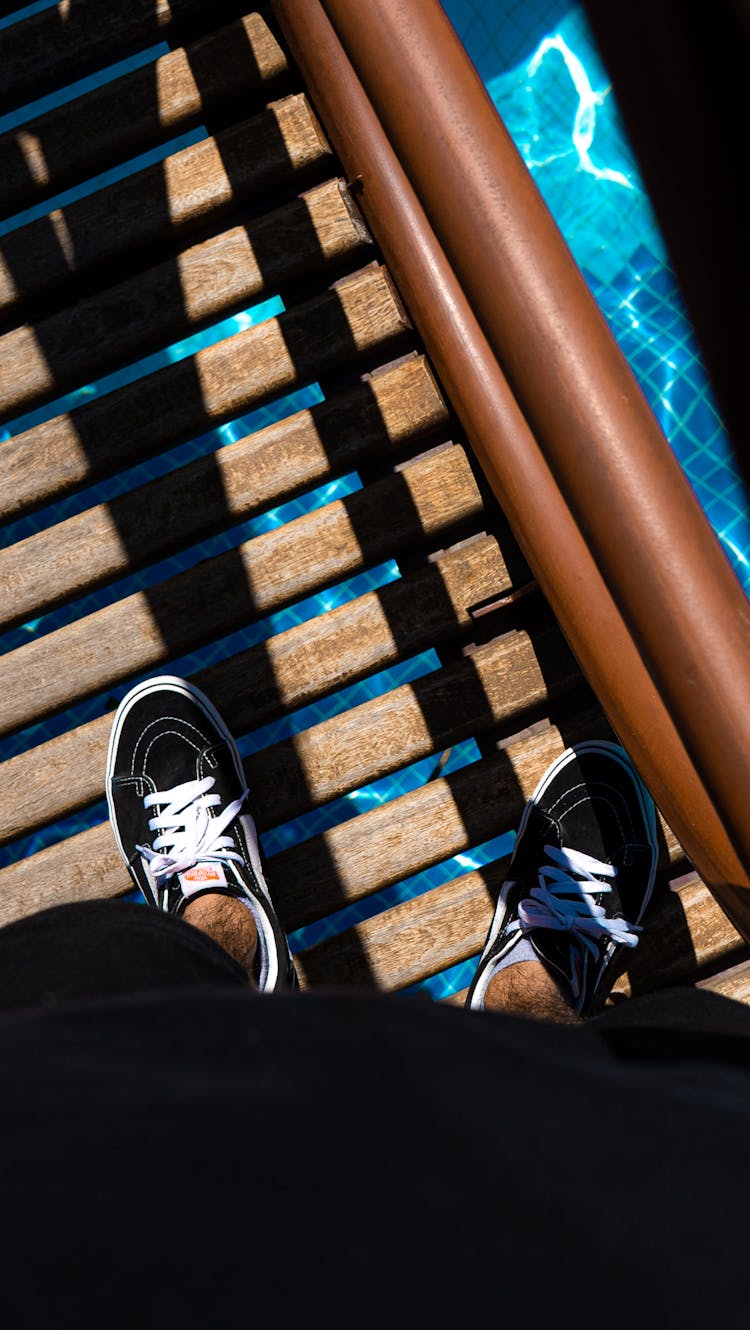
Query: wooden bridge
301, 190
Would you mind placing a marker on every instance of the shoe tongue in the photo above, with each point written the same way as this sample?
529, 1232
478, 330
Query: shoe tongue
202, 877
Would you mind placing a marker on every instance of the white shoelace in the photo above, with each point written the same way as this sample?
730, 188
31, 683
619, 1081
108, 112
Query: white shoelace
189, 834
565, 903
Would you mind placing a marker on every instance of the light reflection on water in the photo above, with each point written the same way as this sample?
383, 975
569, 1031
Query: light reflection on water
558, 106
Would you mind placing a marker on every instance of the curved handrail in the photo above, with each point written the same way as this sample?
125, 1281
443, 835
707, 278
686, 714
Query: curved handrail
629, 497
506, 446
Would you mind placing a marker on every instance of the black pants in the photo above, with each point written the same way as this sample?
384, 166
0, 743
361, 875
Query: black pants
176, 1150
100, 949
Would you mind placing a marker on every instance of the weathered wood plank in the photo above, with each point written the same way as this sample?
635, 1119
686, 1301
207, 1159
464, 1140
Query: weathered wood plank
397, 405
685, 931
235, 66
91, 868
501, 681
412, 941
205, 282
423, 827
423, 609
420, 938
348, 862
425, 498
149, 210
359, 315
733, 983
55, 47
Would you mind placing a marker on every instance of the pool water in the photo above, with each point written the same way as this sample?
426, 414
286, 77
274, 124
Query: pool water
541, 67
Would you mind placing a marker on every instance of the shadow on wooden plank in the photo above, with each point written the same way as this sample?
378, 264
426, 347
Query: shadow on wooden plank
105, 237
114, 122
65, 42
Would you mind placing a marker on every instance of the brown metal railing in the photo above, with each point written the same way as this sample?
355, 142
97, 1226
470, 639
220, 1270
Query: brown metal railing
601, 509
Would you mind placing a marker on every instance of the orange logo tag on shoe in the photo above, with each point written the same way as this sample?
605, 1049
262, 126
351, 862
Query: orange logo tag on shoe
202, 877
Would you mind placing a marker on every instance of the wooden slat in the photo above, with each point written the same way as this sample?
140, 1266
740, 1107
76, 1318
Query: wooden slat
420, 938
351, 861
58, 45
359, 315
412, 941
733, 983
92, 870
324, 654
397, 405
196, 186
426, 498
449, 924
205, 282
232, 67
347, 863
685, 931
423, 827
499, 682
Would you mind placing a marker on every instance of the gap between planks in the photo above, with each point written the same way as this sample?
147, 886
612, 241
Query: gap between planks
423, 501
426, 608
146, 212
412, 941
225, 273
358, 316
686, 930
235, 66
61, 43
398, 406
424, 936
443, 818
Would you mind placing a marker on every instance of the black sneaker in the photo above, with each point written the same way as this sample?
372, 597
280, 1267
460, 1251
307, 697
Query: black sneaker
581, 875
175, 788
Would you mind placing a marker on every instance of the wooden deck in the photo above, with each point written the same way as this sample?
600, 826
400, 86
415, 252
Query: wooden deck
259, 208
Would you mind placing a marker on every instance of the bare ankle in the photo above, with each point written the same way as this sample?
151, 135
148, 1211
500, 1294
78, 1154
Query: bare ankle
229, 922
527, 989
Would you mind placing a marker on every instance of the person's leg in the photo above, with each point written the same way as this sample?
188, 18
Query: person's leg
581, 875
228, 922
85, 950
527, 989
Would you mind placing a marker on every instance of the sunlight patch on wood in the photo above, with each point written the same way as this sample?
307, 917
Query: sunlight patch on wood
22, 347
173, 73
64, 238
33, 155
